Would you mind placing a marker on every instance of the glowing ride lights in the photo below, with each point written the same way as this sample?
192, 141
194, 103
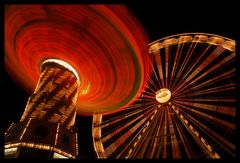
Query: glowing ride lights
64, 64
198, 69
105, 44
163, 95
49, 117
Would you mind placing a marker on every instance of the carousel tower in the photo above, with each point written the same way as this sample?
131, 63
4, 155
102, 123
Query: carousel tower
46, 47
47, 124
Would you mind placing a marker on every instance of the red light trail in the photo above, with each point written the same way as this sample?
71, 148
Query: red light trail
105, 44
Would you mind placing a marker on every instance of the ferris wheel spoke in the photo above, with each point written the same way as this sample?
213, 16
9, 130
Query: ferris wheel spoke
146, 148
217, 120
207, 91
159, 63
228, 110
198, 137
226, 77
172, 81
187, 109
186, 54
154, 84
218, 138
204, 72
200, 68
192, 65
144, 122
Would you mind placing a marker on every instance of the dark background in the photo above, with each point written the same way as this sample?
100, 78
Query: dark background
159, 18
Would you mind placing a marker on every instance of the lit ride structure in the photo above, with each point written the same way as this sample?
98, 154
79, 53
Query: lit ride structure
73, 60
188, 109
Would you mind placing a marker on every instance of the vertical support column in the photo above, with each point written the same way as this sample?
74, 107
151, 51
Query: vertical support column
47, 123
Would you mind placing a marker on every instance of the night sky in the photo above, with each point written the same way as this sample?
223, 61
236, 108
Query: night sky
160, 19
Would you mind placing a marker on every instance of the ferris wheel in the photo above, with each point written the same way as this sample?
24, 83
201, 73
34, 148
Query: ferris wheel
187, 109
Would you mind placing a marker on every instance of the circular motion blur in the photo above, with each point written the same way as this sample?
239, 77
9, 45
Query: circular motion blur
105, 44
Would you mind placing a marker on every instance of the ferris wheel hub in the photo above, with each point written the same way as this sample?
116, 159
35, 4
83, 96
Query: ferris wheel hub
163, 95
